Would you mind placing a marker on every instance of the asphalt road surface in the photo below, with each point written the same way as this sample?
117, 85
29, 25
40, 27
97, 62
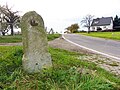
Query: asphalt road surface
109, 48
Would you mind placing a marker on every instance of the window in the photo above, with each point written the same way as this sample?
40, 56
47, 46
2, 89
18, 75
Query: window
93, 28
99, 29
96, 22
104, 27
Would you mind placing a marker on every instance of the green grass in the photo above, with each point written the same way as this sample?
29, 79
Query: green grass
10, 39
107, 35
18, 38
64, 75
52, 36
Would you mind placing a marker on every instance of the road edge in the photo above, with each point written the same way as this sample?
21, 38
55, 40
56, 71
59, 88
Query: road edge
95, 51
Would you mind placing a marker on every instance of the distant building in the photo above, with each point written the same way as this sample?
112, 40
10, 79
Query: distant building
67, 31
101, 24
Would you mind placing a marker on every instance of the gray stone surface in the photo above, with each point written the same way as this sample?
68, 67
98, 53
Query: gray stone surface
35, 46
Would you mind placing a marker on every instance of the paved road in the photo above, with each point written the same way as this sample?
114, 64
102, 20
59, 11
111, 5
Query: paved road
109, 48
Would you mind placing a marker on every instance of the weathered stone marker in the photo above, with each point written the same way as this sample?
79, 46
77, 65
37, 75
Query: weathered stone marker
35, 46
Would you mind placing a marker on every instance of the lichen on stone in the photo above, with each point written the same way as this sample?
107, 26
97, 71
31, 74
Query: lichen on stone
35, 43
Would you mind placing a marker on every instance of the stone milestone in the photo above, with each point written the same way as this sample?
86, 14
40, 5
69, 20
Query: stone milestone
35, 46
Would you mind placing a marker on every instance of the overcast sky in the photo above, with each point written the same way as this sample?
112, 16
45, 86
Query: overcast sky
59, 14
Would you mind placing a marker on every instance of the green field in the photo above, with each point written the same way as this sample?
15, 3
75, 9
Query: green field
10, 39
18, 38
107, 35
52, 36
67, 73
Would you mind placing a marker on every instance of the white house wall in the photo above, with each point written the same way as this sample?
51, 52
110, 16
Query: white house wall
106, 27
111, 25
103, 27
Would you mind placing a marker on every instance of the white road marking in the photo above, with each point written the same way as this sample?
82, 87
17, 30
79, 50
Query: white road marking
114, 57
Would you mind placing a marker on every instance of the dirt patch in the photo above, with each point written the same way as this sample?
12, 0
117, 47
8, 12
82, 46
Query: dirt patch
61, 43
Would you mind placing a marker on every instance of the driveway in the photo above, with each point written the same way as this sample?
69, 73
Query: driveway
106, 47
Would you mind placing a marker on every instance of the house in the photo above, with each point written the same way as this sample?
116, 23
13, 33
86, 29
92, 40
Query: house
102, 24
67, 32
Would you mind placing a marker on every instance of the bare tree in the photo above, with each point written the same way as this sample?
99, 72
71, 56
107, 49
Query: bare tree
87, 20
10, 17
51, 31
3, 25
4, 28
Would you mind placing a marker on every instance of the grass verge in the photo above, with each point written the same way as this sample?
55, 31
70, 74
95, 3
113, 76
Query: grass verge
52, 36
107, 35
67, 73
11, 39
18, 38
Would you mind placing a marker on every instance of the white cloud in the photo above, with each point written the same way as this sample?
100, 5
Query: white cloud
58, 14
